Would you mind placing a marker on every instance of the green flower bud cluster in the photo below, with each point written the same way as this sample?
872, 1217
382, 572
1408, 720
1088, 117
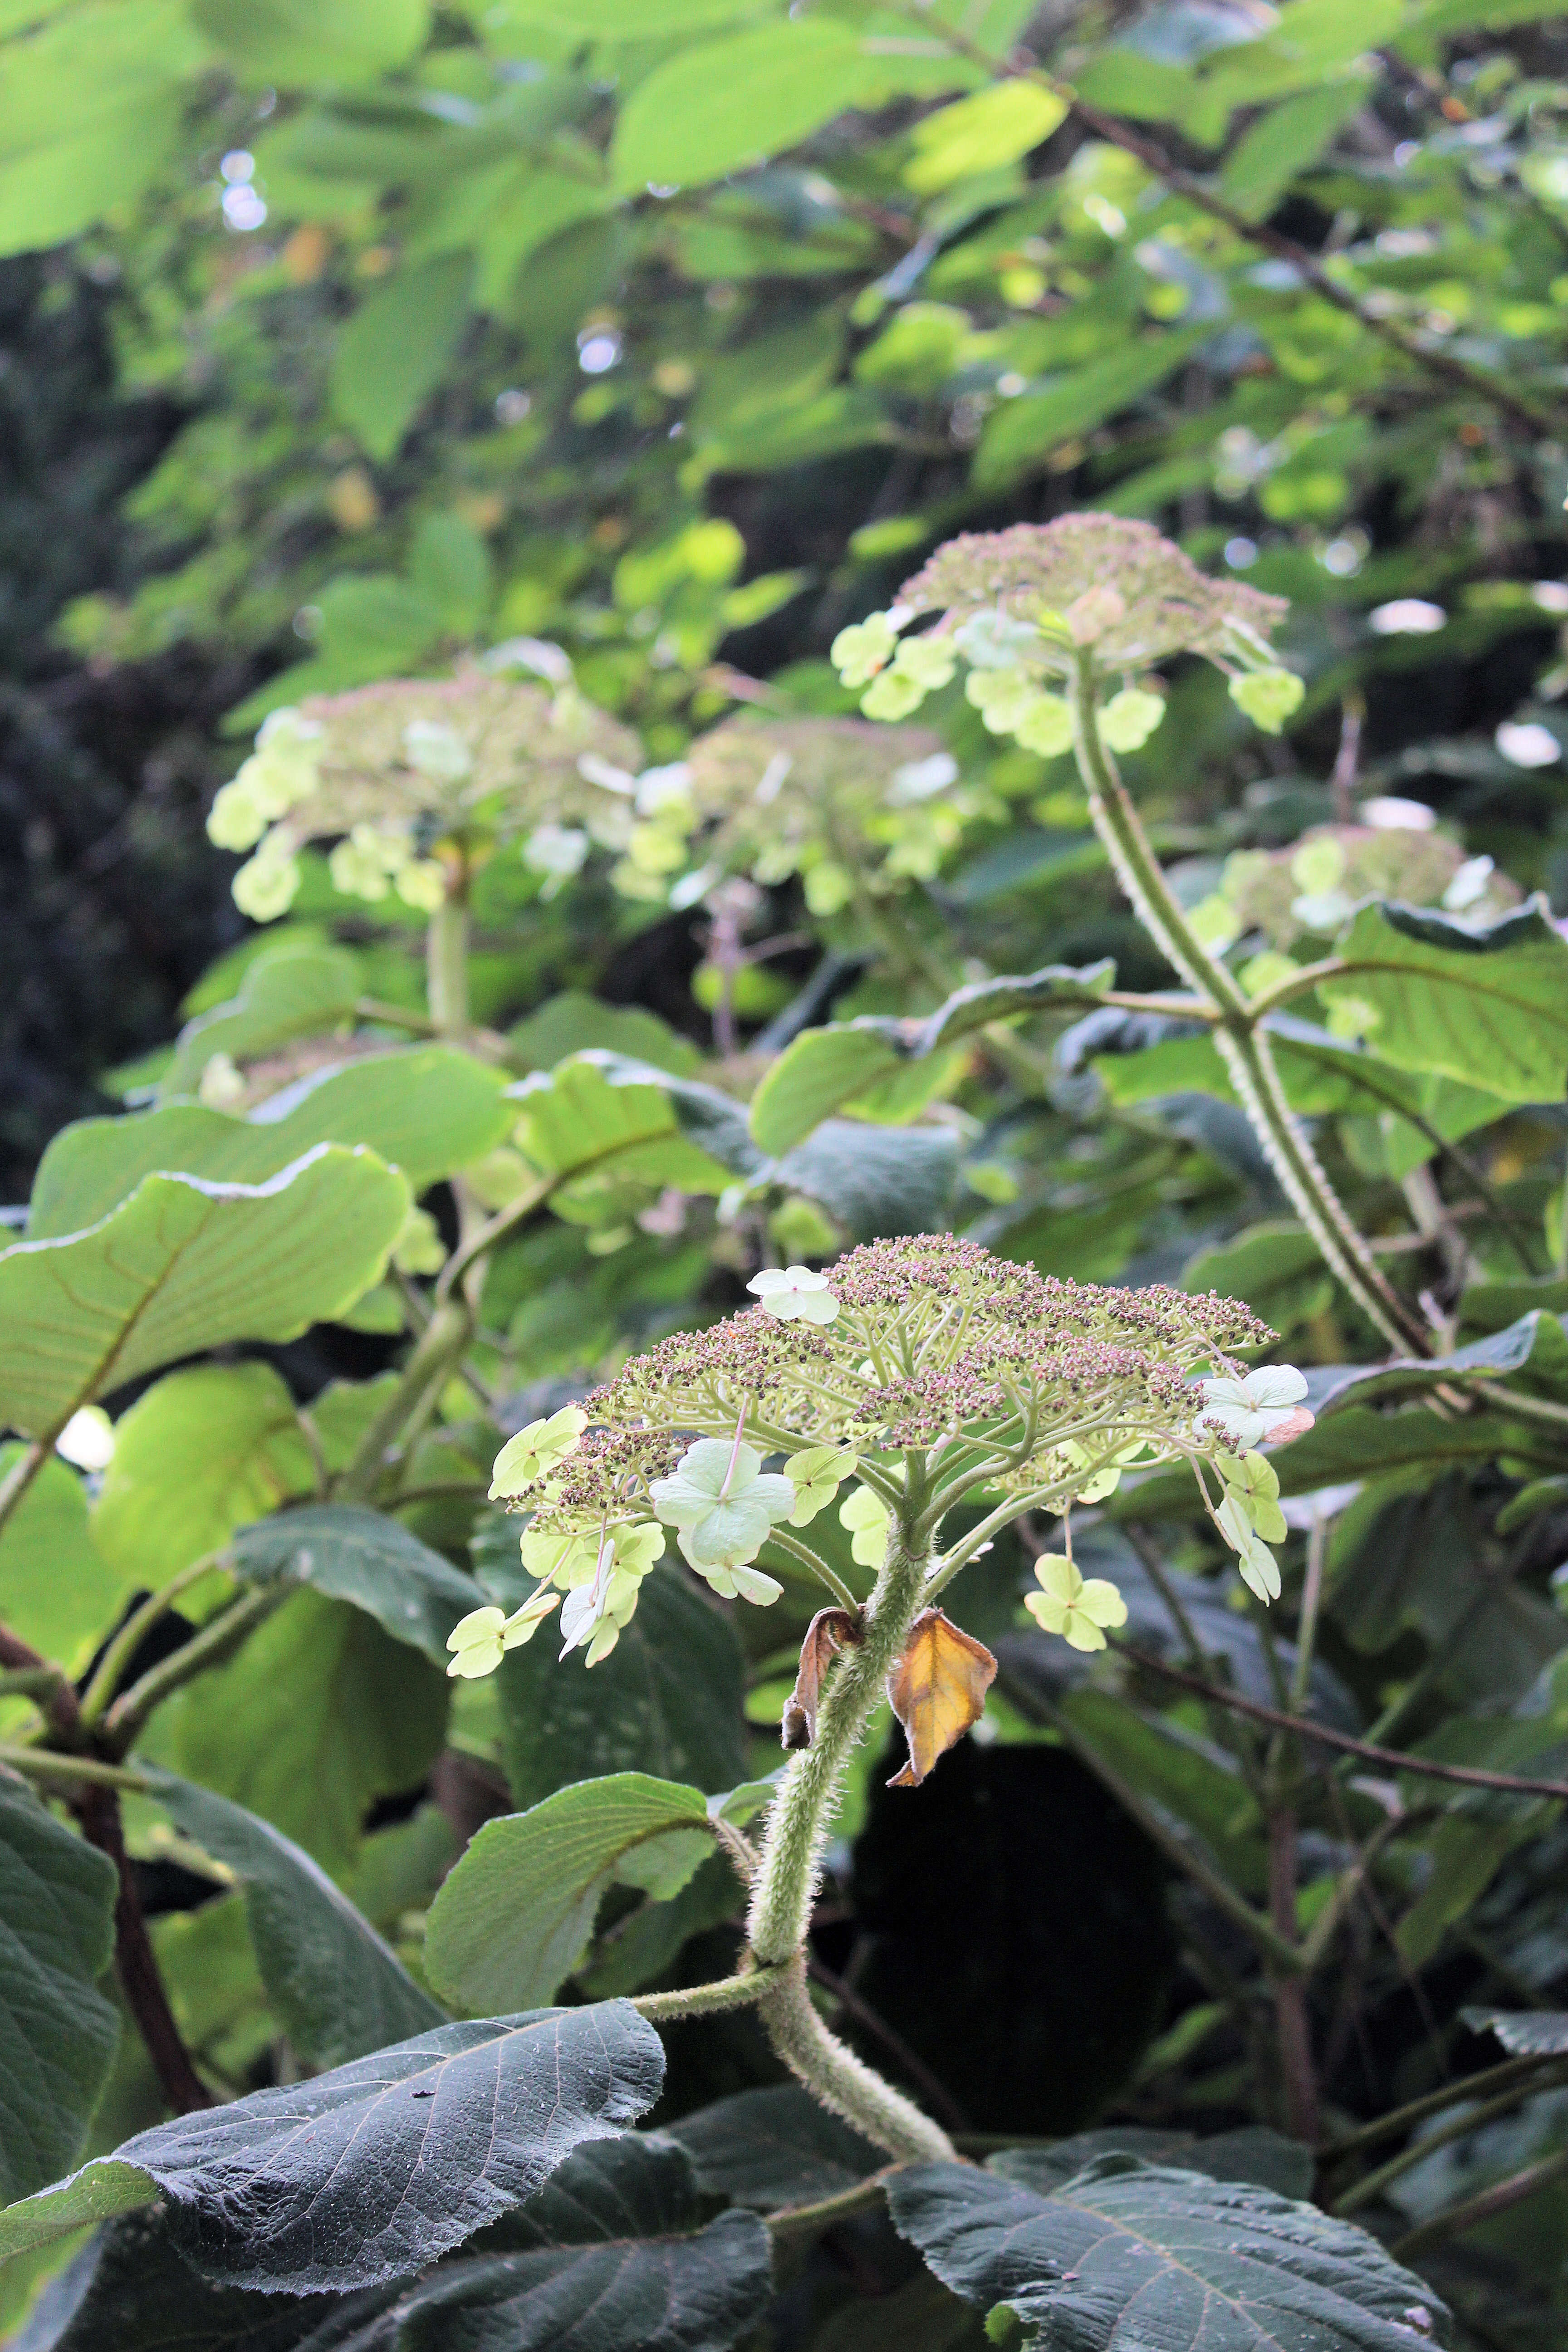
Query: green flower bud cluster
1311, 889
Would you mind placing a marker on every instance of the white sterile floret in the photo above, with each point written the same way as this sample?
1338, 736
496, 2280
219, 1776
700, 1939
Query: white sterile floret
481, 1639
1259, 1569
436, 752
535, 1450
1266, 1404
794, 1293
721, 1503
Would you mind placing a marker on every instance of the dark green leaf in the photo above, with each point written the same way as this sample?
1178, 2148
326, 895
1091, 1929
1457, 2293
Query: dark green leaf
775, 2148
57, 2032
515, 1916
352, 1554
354, 2177
1163, 2255
338, 1991
1021, 434
876, 1179
666, 1701
184, 1265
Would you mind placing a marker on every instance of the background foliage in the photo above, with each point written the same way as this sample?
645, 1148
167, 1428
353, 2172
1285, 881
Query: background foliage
345, 343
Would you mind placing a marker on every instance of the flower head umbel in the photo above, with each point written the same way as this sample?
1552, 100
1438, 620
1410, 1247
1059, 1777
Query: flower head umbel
939, 1364
1078, 1609
793, 1293
409, 775
1027, 608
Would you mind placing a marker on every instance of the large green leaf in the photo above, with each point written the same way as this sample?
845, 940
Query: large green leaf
515, 1915
611, 2253
352, 1554
395, 349
666, 1701
1488, 1008
595, 1119
184, 1265
294, 990
1023, 433
1266, 158
1126, 2252
624, 20
55, 1590
57, 2032
338, 1991
426, 1110
368, 2173
818, 1071
89, 110
876, 1179
320, 1714
201, 1453
314, 40
722, 105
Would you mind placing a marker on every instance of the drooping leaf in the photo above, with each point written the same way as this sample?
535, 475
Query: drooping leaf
825, 1637
610, 2253
57, 2032
370, 2172
595, 1117
515, 1916
1057, 988
395, 348
295, 991
338, 1991
774, 2148
1220, 2265
1488, 1008
319, 1714
821, 1069
1523, 2032
349, 1553
56, 1591
184, 1265
202, 1451
937, 1689
426, 1109
667, 1701
1284, 142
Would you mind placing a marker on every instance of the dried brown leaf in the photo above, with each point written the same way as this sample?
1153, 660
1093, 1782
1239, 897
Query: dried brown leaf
828, 1632
937, 1689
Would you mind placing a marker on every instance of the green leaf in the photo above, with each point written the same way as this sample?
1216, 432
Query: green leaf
352, 1554
1057, 988
381, 2182
396, 347
201, 1453
293, 41
1278, 1270
57, 2032
55, 1590
294, 991
450, 565
1195, 1785
1021, 434
821, 1069
996, 125
1523, 2032
516, 1914
1220, 2265
1488, 1008
99, 2191
666, 1701
876, 1179
533, 208
184, 1265
622, 20
338, 1991
595, 1117
774, 2148
611, 2254
320, 1714
575, 1023
724, 105
1282, 142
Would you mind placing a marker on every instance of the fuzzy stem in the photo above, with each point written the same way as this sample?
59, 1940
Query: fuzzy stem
787, 1880
1242, 1045
446, 962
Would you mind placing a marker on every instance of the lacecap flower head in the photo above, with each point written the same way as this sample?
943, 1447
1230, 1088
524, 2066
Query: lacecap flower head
1026, 609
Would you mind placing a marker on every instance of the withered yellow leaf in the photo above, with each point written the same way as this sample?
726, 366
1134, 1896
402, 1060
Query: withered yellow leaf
937, 1689
826, 1635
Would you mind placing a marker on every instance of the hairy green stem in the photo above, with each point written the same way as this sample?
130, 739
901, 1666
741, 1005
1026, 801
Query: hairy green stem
785, 1885
1457, 2128
44, 1764
744, 1992
1242, 1045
